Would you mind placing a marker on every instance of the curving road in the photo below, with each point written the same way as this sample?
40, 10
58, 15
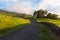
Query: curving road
29, 32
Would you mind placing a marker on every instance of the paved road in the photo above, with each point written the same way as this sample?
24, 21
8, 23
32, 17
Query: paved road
29, 32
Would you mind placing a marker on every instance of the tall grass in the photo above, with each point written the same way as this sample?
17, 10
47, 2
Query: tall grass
44, 35
56, 22
8, 23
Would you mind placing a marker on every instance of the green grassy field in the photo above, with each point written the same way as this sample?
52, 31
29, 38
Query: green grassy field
43, 30
9, 23
56, 22
44, 35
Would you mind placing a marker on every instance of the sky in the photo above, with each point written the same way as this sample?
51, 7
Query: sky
29, 6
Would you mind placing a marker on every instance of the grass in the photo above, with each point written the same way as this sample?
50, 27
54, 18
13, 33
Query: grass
56, 22
44, 33
9, 23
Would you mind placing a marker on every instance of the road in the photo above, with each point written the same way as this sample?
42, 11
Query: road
29, 32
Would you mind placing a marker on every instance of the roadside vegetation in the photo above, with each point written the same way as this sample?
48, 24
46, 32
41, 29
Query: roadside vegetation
45, 16
56, 21
44, 34
12, 21
9, 23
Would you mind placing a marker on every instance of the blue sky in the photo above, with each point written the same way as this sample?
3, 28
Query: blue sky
28, 6
7, 3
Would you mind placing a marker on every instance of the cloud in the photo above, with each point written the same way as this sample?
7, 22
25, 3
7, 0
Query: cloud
50, 5
28, 6
22, 6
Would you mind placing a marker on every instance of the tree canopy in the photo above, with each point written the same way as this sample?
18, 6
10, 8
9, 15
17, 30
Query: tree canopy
44, 14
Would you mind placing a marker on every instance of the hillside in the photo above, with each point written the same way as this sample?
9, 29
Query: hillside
10, 22
54, 21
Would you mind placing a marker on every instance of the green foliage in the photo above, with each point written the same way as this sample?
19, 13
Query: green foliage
44, 14
40, 13
9, 23
44, 35
52, 16
49, 15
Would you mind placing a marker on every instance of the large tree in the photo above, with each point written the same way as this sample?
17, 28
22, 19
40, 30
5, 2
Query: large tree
52, 16
44, 14
40, 13
49, 15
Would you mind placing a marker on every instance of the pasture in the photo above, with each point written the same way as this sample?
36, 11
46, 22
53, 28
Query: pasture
9, 23
54, 21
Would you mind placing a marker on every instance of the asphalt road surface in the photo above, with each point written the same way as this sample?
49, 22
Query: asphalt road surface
29, 32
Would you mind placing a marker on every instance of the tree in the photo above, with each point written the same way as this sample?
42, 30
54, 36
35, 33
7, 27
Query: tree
52, 16
44, 14
49, 15
40, 13
35, 14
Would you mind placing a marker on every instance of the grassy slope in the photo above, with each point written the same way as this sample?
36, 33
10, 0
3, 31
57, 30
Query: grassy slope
43, 30
8, 23
44, 35
56, 22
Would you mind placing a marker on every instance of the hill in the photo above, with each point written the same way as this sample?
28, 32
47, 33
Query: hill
10, 21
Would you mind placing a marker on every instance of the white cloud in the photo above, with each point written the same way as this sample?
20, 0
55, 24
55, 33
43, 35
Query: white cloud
25, 6
50, 5
12, 0
21, 7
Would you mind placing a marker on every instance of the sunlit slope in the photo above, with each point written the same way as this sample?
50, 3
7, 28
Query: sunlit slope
8, 21
56, 22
